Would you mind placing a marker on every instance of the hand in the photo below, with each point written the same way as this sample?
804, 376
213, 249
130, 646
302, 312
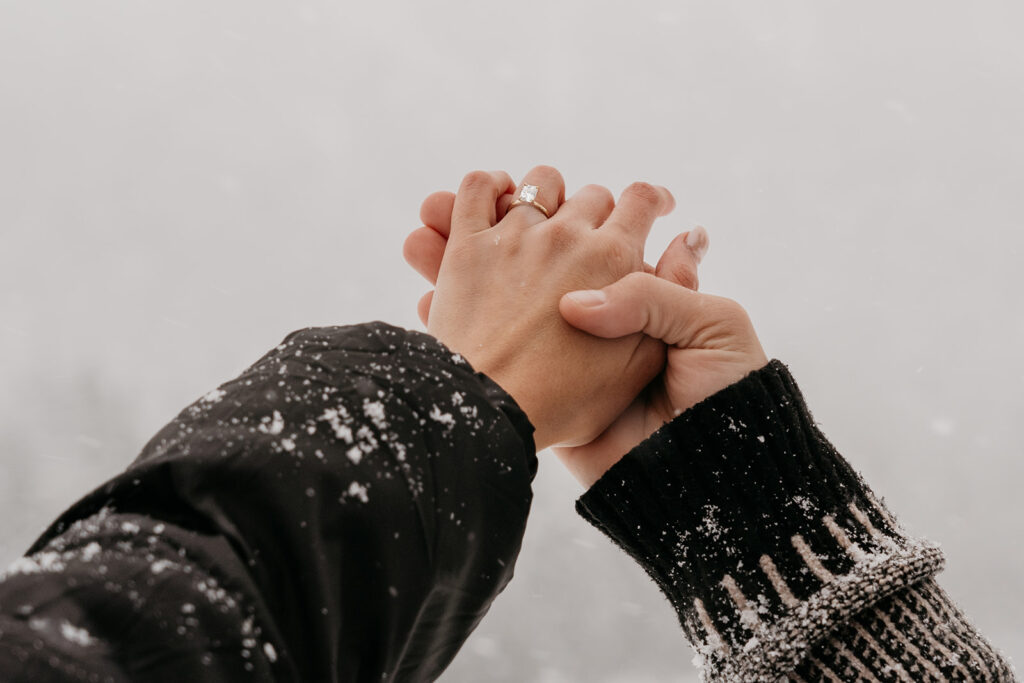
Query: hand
500, 281
711, 344
688, 379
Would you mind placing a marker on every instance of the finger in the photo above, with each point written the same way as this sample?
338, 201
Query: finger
679, 262
639, 302
638, 207
436, 212
550, 194
475, 203
503, 202
423, 307
698, 242
592, 204
423, 250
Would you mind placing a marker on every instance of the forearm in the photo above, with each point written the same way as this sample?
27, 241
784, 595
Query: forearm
126, 597
365, 492
761, 535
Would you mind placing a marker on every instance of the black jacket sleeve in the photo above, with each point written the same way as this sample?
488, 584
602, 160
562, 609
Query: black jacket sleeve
345, 510
777, 556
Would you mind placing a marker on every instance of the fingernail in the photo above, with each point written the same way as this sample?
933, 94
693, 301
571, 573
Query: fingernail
697, 241
588, 297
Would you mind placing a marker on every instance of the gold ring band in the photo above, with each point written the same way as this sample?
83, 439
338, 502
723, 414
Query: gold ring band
524, 202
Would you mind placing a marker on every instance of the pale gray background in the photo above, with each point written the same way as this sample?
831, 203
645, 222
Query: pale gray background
183, 183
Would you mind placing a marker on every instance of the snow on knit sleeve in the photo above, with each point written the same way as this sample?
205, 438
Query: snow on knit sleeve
358, 495
758, 531
915, 634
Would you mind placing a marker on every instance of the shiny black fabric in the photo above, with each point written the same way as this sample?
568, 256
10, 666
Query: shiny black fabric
345, 510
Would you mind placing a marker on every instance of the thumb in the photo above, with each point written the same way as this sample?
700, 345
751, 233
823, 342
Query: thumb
639, 302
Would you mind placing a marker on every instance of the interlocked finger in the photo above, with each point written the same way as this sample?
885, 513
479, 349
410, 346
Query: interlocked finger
474, 206
638, 207
548, 190
592, 204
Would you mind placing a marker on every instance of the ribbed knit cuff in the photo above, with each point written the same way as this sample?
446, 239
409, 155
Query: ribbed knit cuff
756, 529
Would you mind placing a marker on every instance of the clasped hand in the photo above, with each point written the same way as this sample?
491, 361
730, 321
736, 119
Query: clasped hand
598, 349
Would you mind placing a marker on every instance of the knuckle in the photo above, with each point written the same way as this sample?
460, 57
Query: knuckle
548, 178
600, 196
546, 171
729, 310
638, 282
476, 180
619, 257
728, 323
644, 192
560, 234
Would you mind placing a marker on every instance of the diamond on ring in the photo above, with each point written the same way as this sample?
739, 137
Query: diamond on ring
529, 193
528, 197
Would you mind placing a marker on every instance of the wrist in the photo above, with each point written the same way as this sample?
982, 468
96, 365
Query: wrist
528, 401
694, 375
754, 526
498, 367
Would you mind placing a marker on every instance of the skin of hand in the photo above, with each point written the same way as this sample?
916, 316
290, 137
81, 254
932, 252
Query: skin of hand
711, 344
499, 285
723, 346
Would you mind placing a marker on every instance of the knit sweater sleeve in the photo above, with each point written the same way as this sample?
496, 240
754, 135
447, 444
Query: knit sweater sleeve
777, 557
